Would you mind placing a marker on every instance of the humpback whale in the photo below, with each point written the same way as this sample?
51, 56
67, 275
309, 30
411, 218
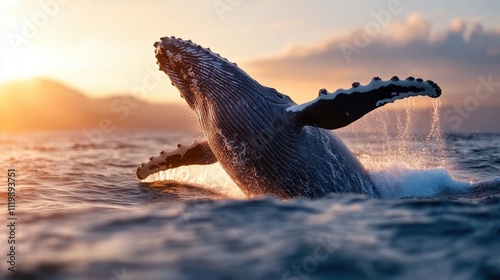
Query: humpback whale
268, 144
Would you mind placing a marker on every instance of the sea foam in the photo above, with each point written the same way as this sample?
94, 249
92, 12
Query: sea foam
398, 182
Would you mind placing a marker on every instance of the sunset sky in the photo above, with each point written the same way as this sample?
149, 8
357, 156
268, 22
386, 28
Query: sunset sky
105, 47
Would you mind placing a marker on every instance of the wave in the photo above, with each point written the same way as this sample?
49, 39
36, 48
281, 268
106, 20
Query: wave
394, 182
399, 182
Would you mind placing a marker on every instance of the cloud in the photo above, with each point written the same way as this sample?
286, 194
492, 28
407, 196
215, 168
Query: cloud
415, 27
454, 58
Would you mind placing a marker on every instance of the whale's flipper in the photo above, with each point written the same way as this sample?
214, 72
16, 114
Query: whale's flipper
344, 106
198, 153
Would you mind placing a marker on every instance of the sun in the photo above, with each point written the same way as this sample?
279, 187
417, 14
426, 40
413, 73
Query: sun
18, 66
12, 65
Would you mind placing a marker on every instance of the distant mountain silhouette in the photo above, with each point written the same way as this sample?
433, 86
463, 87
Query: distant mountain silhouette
43, 104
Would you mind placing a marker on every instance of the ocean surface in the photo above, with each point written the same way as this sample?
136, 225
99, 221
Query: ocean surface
82, 214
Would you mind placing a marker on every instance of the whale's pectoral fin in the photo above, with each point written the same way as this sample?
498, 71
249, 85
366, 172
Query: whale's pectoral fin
198, 153
344, 106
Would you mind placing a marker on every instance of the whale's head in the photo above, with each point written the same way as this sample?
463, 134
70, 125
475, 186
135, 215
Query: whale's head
204, 77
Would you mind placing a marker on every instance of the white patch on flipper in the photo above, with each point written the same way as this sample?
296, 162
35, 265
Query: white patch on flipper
429, 90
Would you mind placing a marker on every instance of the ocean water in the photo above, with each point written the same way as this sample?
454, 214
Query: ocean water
81, 214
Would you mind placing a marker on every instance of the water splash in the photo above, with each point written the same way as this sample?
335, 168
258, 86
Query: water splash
211, 177
404, 126
409, 160
400, 137
399, 182
435, 137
